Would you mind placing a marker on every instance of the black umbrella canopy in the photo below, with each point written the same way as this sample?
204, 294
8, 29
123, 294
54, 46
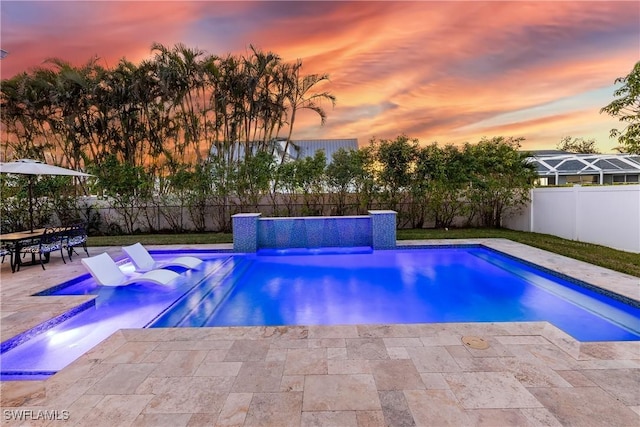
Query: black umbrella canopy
36, 167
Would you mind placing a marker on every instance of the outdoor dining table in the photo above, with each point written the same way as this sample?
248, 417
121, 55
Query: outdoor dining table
16, 239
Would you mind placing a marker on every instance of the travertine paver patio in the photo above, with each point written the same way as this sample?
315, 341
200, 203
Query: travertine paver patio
358, 375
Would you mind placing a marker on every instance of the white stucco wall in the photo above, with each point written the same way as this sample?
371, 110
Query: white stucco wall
605, 215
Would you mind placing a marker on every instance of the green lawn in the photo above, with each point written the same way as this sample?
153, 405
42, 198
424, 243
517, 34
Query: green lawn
624, 262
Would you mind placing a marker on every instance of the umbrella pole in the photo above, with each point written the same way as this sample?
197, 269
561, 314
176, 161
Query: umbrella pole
31, 203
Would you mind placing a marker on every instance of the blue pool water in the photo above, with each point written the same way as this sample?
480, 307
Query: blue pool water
326, 287
407, 286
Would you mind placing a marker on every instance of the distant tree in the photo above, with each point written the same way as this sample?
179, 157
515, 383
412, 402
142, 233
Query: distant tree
252, 179
202, 179
419, 187
285, 183
364, 178
127, 186
310, 177
448, 183
396, 159
341, 174
500, 179
187, 189
578, 145
627, 109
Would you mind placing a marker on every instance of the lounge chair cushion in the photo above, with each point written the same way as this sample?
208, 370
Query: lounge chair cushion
107, 273
143, 261
76, 240
44, 248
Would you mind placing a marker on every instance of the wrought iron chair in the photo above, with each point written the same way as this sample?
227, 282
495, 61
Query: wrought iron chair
75, 235
50, 241
6, 250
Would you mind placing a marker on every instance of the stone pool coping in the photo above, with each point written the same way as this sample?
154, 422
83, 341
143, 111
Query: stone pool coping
531, 374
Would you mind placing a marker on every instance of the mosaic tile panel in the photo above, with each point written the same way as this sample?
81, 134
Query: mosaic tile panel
282, 230
355, 231
245, 232
299, 234
346, 229
383, 229
330, 235
314, 232
362, 232
290, 233
266, 234
278, 232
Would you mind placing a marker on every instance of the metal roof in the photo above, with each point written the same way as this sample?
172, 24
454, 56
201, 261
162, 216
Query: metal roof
308, 148
577, 164
299, 149
538, 153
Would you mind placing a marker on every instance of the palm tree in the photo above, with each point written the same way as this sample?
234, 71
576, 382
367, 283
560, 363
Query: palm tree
18, 113
298, 97
182, 78
74, 115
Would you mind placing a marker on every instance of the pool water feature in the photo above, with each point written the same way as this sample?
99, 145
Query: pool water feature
251, 232
327, 286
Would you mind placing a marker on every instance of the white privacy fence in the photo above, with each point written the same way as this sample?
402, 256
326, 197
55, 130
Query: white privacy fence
605, 215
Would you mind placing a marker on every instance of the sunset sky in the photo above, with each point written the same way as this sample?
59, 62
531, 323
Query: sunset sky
447, 71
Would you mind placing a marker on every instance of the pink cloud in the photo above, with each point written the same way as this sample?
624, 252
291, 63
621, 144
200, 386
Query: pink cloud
108, 30
431, 69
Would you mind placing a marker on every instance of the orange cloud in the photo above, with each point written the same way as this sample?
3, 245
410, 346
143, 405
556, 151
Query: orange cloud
79, 31
433, 70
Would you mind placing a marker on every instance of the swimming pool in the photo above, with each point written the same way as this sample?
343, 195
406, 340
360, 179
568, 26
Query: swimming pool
472, 284
331, 286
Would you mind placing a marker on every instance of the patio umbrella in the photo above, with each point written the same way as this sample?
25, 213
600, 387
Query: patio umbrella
36, 167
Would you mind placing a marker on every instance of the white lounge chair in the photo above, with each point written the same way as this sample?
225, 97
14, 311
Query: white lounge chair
107, 273
143, 261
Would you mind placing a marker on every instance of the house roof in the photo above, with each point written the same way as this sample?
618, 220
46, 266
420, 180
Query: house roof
299, 149
307, 148
536, 153
581, 164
